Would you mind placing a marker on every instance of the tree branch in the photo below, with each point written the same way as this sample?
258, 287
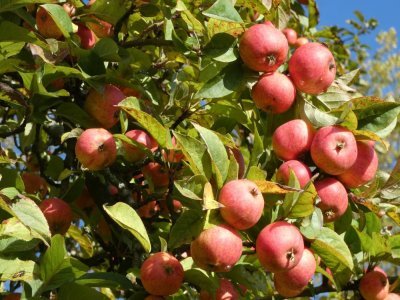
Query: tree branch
148, 42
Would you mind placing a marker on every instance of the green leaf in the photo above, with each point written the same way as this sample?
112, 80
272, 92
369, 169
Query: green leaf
126, 217
76, 115
394, 242
311, 226
107, 50
223, 10
76, 291
209, 201
255, 173
222, 48
83, 241
202, 279
10, 5
250, 276
258, 148
187, 227
106, 280
60, 17
105, 11
15, 269
304, 206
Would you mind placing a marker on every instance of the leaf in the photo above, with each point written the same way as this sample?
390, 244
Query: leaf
258, 148
10, 5
126, 217
368, 135
209, 201
394, 242
215, 26
76, 291
270, 187
105, 11
77, 115
256, 174
107, 50
202, 279
15, 269
60, 17
311, 226
304, 206
187, 227
152, 126
250, 276
317, 117
105, 280
223, 10
83, 241
222, 48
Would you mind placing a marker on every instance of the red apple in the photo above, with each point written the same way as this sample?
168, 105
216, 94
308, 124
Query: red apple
334, 149
301, 41
133, 153
225, 291
392, 296
58, 215
301, 170
148, 210
153, 297
243, 203
298, 277
263, 48
88, 38
286, 290
333, 196
274, 92
291, 35
103, 106
164, 207
157, 174
100, 27
95, 149
130, 92
364, 168
312, 68
374, 285
279, 246
34, 184
292, 139
173, 156
217, 249
46, 25
69, 9
13, 296
161, 274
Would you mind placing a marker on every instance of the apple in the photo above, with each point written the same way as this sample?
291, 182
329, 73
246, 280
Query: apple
292, 139
69, 9
305, 2
334, 149
263, 48
87, 36
225, 291
312, 68
286, 290
279, 246
364, 168
13, 296
173, 155
161, 274
175, 203
298, 277
333, 196
392, 296
157, 174
243, 203
153, 297
133, 153
239, 159
291, 35
217, 249
301, 170
148, 210
274, 92
85, 200
130, 92
95, 149
374, 285
58, 215
100, 27
102, 106
46, 25
301, 41
34, 184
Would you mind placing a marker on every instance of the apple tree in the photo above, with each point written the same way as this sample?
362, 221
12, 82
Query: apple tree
161, 149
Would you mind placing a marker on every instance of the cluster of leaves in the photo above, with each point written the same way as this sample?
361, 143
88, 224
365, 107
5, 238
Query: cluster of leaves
183, 58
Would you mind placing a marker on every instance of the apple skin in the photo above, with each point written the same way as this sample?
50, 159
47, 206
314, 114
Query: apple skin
87, 36
132, 153
263, 48
392, 296
364, 168
291, 35
95, 149
292, 139
301, 41
286, 290
153, 297
69, 8
58, 215
161, 274
225, 291
301, 170
173, 156
46, 25
312, 68
102, 106
149, 209
243, 203
374, 285
157, 173
164, 207
279, 246
298, 277
333, 196
274, 92
334, 149
35, 184
13, 296
217, 249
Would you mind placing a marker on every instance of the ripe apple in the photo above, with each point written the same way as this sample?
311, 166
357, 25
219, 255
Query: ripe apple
13, 296
87, 36
291, 35
161, 274
274, 92
292, 139
374, 285
58, 215
285, 289
164, 208
333, 196
334, 149
34, 184
102, 106
239, 159
263, 48
279, 246
217, 249
225, 291
95, 149
301, 41
153, 297
100, 27
173, 156
157, 174
149, 209
243, 203
364, 168
133, 153
301, 170
392, 296
312, 68
130, 92
298, 277
46, 25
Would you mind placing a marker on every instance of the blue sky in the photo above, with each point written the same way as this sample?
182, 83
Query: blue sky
336, 12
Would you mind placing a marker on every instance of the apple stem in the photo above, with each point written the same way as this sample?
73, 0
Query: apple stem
290, 255
254, 192
271, 59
